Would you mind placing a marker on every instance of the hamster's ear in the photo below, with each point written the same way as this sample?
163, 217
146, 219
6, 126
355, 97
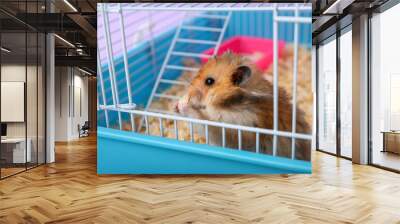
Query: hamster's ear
241, 75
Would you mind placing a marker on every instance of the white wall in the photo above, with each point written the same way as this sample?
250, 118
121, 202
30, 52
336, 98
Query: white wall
79, 117
11, 73
33, 127
62, 82
70, 84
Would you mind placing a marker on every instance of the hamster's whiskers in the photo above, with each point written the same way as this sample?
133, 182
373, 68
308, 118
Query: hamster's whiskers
254, 93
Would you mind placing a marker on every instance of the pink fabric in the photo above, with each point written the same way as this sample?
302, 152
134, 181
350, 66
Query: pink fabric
259, 50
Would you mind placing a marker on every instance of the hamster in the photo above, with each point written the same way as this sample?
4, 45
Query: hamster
229, 89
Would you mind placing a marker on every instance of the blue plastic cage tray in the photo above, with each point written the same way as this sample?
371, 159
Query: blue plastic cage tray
121, 152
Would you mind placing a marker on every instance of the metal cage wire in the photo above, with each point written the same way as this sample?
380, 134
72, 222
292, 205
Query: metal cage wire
129, 107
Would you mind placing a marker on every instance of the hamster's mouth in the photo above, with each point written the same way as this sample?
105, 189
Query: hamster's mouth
199, 107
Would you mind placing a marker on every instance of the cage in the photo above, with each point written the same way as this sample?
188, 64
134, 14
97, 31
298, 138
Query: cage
147, 53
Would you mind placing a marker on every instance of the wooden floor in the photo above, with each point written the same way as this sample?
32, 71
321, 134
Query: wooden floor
5, 172
69, 191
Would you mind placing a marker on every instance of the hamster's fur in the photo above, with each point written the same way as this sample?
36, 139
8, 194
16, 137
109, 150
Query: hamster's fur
230, 89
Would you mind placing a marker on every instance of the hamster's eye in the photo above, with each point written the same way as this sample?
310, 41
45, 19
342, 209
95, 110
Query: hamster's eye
209, 81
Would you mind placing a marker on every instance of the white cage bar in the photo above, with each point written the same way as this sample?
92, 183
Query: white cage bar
294, 90
103, 92
209, 6
111, 67
194, 7
275, 79
125, 56
172, 117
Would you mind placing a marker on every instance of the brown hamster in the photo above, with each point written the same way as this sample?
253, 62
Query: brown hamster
231, 90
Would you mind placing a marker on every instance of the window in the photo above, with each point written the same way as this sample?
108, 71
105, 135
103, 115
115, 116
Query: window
346, 93
327, 96
394, 102
385, 89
